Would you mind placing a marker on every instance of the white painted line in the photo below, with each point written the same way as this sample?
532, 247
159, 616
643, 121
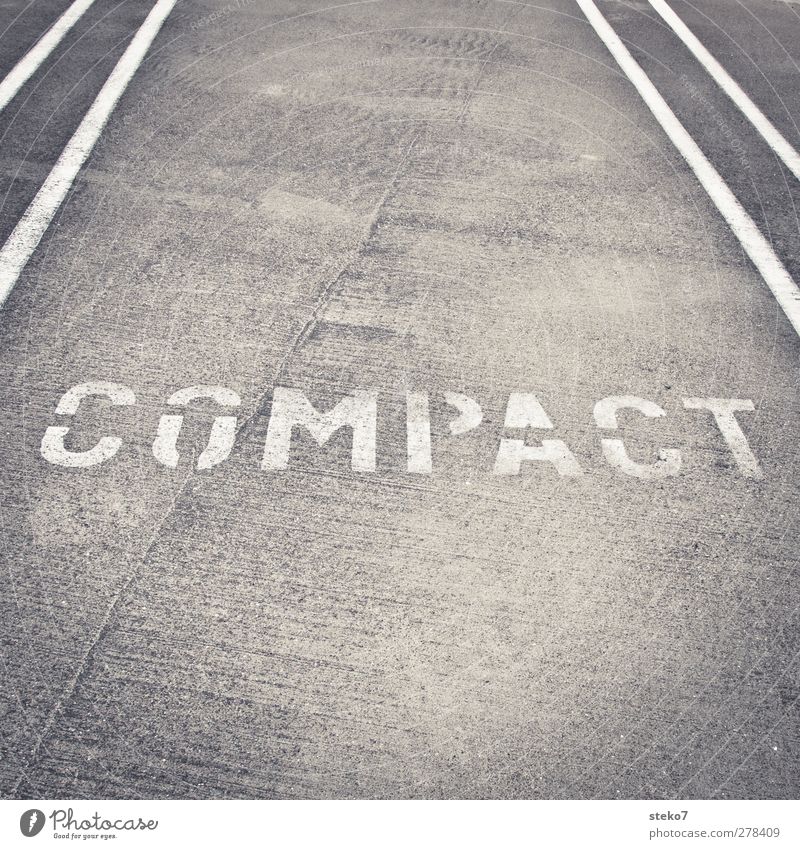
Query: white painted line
755, 245
37, 217
789, 156
27, 65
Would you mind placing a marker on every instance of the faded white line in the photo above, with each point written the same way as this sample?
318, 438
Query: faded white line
754, 244
788, 155
26, 67
37, 217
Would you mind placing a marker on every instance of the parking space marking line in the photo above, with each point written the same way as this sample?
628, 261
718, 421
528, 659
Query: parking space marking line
744, 228
29, 230
771, 135
30, 62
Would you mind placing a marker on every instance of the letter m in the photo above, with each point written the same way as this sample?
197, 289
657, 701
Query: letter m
291, 408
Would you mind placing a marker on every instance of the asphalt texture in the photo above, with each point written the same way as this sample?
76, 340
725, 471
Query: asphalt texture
433, 197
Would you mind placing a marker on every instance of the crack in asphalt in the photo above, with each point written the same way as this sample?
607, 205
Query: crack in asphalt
303, 335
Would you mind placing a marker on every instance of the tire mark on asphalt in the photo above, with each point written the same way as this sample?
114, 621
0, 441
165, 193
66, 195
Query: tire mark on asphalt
470, 96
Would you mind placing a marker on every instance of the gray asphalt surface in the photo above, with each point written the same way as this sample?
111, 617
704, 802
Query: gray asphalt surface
434, 197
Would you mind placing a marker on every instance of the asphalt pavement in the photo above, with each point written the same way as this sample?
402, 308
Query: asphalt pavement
462, 216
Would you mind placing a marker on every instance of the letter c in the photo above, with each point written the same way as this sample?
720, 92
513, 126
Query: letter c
53, 449
605, 416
